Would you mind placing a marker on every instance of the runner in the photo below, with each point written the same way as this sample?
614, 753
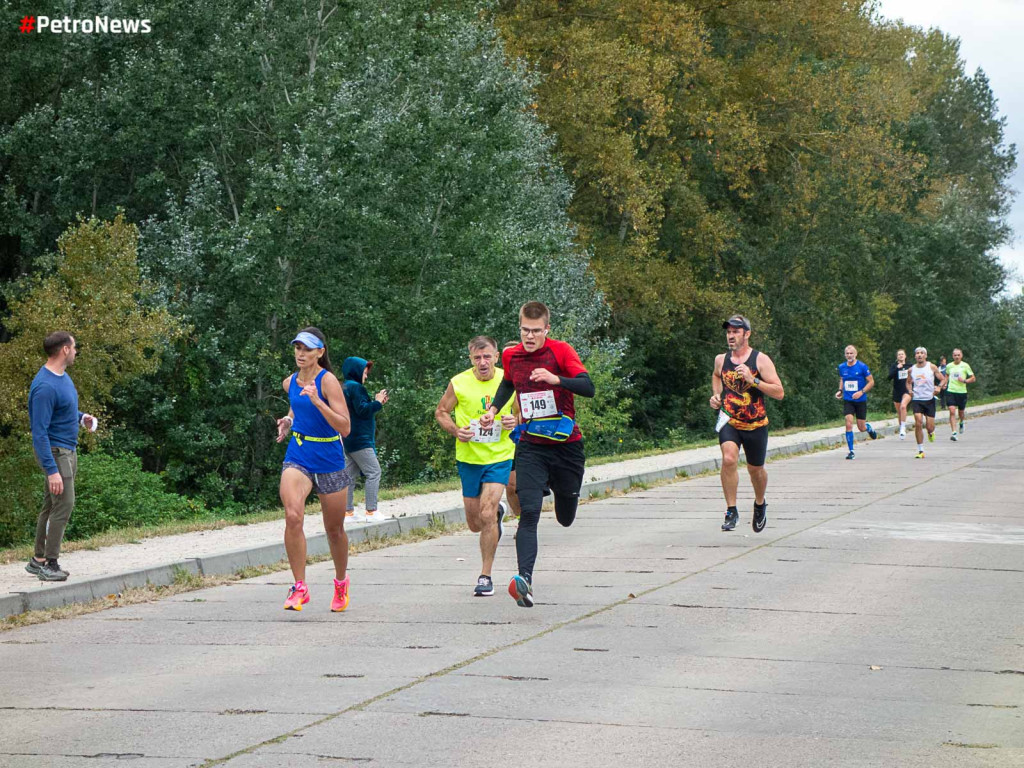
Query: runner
510, 487
940, 391
855, 381
960, 375
921, 386
741, 379
546, 375
898, 373
483, 455
315, 461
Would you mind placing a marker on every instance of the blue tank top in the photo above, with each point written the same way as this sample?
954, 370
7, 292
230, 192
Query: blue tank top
313, 455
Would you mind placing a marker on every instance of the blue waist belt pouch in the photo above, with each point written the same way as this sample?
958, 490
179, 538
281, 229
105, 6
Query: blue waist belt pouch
552, 427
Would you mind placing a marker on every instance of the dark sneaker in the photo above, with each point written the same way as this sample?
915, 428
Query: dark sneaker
502, 511
760, 518
731, 518
34, 566
521, 591
484, 587
961, 427
51, 571
849, 455
871, 433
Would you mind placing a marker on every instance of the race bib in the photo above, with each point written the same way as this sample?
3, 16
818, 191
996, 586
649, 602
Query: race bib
957, 376
850, 386
903, 374
491, 434
535, 405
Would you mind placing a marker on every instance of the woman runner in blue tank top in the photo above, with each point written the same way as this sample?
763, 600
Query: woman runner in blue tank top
315, 461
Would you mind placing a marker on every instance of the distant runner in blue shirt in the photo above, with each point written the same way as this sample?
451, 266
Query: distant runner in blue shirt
855, 381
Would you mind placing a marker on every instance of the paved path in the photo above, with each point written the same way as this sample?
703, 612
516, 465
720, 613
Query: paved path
877, 621
163, 550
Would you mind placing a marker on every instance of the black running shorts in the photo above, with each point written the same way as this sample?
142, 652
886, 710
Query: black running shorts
558, 466
924, 407
858, 408
754, 442
959, 399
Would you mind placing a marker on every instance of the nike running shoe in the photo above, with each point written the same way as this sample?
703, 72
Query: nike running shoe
871, 433
931, 437
953, 437
731, 518
760, 518
521, 591
297, 597
340, 600
484, 587
849, 455
502, 511
920, 455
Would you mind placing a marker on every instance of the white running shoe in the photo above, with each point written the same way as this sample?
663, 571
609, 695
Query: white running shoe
351, 516
903, 435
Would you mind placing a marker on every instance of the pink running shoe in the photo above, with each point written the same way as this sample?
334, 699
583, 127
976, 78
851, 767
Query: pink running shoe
340, 601
298, 596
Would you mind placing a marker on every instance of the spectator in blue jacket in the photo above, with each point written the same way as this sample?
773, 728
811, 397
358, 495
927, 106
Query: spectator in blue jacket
360, 444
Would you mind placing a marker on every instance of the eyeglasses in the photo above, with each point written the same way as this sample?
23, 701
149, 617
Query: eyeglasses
532, 331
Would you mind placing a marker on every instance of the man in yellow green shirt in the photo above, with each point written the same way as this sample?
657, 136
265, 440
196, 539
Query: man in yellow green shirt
483, 454
960, 375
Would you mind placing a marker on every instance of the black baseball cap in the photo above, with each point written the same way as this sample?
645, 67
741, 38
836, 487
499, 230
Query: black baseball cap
737, 321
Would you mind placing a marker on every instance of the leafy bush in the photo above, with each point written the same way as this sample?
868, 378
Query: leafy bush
22, 483
113, 491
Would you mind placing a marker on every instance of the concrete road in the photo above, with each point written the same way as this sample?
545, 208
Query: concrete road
877, 621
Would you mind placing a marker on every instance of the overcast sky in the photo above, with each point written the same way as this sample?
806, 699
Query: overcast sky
990, 33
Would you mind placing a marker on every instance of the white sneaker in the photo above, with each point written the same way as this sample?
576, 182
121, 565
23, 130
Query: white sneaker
351, 516
903, 435
376, 514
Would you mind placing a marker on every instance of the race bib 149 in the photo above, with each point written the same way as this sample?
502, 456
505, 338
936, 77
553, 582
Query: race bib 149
535, 405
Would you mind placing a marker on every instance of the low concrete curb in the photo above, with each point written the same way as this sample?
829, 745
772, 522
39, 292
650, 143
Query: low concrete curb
269, 554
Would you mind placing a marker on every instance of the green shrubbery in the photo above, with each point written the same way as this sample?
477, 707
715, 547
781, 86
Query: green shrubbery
112, 491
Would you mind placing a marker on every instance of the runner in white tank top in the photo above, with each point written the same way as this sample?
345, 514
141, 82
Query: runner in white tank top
921, 387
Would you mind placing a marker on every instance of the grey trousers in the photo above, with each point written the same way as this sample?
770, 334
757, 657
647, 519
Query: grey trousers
56, 511
365, 462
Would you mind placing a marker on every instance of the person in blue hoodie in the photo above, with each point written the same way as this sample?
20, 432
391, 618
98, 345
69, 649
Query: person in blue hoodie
360, 443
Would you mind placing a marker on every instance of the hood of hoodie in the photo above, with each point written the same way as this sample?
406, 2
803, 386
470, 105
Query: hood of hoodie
352, 369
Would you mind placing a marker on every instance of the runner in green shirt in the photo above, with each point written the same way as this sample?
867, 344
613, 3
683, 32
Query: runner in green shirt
960, 375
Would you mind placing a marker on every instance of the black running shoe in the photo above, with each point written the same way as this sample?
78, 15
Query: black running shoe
760, 518
871, 433
34, 567
484, 587
731, 518
51, 571
502, 511
849, 455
